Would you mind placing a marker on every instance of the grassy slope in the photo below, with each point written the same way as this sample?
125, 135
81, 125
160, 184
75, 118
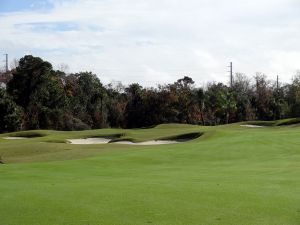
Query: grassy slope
52, 147
232, 175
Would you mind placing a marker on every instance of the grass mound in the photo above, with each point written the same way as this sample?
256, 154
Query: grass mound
107, 136
183, 137
260, 123
28, 134
283, 122
286, 122
115, 140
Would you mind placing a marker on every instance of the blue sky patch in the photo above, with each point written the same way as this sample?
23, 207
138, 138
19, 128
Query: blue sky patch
7, 6
49, 26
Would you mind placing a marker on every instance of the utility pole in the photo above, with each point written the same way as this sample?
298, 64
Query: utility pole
6, 63
231, 74
277, 83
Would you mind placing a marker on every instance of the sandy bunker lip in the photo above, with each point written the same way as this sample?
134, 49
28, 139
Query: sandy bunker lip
152, 142
25, 135
111, 140
89, 141
252, 126
15, 138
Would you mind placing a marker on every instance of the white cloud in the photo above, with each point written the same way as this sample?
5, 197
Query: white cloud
159, 41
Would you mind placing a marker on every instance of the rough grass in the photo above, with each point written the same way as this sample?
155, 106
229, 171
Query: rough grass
28, 134
283, 122
230, 175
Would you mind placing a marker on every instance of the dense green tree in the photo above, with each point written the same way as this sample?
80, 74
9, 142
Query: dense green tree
293, 96
278, 105
86, 98
263, 98
183, 88
134, 112
38, 89
199, 95
48, 99
10, 113
27, 77
243, 94
216, 97
116, 104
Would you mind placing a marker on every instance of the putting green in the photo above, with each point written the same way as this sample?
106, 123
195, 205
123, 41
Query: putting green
230, 175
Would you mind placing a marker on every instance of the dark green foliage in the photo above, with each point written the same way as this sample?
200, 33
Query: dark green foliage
263, 98
72, 123
115, 105
183, 89
243, 95
289, 122
30, 75
38, 89
29, 134
42, 98
10, 113
293, 97
220, 104
86, 98
134, 112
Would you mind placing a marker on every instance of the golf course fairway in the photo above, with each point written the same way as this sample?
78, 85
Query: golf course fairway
229, 175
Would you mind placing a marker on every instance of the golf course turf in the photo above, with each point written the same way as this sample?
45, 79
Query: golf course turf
227, 175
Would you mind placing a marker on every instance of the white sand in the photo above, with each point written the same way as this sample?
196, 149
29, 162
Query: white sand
89, 141
252, 126
14, 138
161, 142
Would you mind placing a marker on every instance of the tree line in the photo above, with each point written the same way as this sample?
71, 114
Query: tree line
39, 97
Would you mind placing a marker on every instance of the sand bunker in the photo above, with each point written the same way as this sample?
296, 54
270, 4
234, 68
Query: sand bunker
153, 142
252, 126
89, 141
14, 138
115, 140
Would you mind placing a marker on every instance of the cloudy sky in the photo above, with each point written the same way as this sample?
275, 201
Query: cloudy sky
156, 41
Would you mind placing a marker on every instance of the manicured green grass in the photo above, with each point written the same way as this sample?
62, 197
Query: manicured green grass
231, 175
